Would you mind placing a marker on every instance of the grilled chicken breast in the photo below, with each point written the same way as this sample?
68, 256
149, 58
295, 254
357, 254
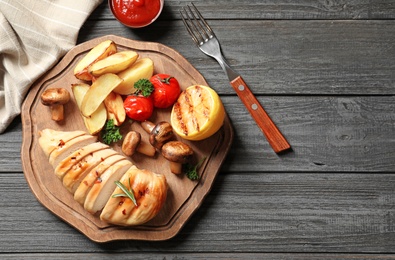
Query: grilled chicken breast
51, 139
104, 186
75, 157
61, 152
91, 177
150, 191
78, 171
89, 169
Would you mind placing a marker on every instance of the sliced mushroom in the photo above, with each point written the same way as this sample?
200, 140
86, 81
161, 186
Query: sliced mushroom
55, 98
132, 143
159, 133
177, 153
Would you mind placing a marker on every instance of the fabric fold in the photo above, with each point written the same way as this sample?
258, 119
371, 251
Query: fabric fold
34, 35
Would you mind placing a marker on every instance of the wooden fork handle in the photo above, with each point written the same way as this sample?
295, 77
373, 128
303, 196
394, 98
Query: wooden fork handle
262, 119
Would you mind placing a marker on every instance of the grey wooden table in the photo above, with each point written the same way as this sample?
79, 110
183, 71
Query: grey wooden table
325, 72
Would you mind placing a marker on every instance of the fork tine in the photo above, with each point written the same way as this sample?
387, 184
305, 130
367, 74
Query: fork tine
195, 39
207, 28
197, 27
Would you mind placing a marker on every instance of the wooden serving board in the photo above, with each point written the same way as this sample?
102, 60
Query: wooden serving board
184, 196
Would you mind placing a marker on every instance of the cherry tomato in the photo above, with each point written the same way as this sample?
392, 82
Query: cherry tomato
138, 107
166, 90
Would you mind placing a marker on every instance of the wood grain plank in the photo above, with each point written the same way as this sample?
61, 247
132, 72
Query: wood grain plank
245, 212
10, 147
204, 256
284, 57
273, 9
326, 133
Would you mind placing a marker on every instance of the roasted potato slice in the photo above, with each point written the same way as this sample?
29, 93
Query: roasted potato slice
114, 63
141, 69
98, 91
99, 52
97, 120
115, 109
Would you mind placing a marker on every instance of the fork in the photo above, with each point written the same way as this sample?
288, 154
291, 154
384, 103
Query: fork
207, 42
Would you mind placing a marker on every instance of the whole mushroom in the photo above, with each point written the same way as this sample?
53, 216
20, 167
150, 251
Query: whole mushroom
177, 153
132, 143
159, 133
55, 98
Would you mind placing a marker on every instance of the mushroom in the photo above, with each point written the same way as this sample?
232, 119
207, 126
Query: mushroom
159, 133
177, 153
132, 143
55, 98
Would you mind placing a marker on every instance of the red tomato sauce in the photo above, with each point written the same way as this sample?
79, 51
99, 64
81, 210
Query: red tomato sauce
135, 12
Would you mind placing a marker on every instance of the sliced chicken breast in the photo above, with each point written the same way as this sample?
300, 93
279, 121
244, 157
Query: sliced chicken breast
104, 186
78, 171
89, 169
69, 147
150, 192
86, 184
50, 139
75, 157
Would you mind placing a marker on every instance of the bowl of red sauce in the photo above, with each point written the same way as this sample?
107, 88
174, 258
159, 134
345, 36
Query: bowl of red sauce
136, 13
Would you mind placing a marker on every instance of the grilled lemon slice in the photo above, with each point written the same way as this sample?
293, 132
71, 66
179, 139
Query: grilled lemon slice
198, 113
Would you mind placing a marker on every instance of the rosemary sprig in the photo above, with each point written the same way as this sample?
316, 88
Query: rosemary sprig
126, 192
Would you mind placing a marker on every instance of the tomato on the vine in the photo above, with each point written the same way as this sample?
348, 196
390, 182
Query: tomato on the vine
166, 90
138, 107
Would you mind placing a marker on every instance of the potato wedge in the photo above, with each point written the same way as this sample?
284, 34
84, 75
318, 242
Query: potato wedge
97, 120
114, 63
99, 52
141, 69
115, 109
99, 90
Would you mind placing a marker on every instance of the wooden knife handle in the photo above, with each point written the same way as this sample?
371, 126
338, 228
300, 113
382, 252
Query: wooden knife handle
262, 119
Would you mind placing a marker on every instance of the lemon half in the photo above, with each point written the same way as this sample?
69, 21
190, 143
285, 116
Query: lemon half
198, 113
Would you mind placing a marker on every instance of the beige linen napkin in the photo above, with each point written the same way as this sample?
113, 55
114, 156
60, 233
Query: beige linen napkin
34, 35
